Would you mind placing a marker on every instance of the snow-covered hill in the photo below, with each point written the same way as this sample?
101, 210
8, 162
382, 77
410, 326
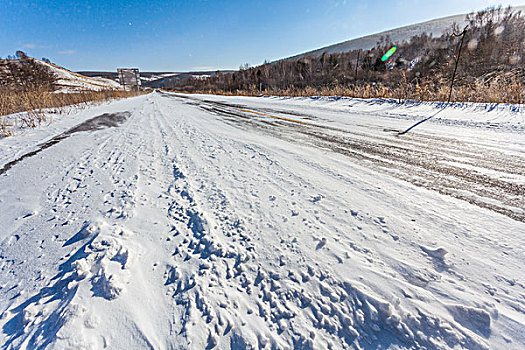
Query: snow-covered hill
436, 27
69, 81
208, 222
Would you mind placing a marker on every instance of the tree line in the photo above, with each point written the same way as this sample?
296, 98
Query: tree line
492, 58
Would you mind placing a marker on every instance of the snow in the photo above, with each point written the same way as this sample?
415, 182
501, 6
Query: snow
68, 81
157, 76
199, 221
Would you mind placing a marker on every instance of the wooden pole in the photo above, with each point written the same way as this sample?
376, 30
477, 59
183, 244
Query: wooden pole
357, 64
462, 34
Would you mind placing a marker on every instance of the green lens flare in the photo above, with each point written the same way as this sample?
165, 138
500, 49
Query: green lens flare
389, 53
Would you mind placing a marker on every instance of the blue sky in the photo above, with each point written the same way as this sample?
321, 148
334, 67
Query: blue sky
200, 34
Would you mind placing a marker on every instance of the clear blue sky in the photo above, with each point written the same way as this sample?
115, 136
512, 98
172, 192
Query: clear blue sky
200, 34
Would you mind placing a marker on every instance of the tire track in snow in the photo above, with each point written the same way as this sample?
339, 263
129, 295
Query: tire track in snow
450, 167
106, 120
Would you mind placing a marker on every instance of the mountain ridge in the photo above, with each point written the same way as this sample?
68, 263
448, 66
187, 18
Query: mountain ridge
436, 27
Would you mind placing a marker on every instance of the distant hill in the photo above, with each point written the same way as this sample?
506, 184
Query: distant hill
436, 27
154, 79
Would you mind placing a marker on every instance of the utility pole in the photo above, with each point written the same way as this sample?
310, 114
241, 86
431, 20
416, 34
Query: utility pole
357, 64
462, 34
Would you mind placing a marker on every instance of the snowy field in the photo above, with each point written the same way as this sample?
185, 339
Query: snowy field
200, 222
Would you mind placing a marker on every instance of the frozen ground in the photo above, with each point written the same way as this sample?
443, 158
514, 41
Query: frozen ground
229, 222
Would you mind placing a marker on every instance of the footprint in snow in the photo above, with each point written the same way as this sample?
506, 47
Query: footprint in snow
321, 243
438, 253
316, 199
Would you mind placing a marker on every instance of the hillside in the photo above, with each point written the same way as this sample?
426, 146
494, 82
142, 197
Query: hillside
68, 81
490, 68
29, 88
26, 70
436, 27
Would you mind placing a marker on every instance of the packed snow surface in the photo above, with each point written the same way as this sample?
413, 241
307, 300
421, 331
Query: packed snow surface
199, 222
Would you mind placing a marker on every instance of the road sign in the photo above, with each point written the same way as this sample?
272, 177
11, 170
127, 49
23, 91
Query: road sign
129, 78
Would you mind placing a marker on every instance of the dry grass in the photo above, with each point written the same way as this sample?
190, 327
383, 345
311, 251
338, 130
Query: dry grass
31, 108
498, 89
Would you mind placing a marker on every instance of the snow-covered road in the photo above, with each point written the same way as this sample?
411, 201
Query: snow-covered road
201, 221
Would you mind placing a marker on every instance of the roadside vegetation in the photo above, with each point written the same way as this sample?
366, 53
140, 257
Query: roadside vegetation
490, 68
28, 95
